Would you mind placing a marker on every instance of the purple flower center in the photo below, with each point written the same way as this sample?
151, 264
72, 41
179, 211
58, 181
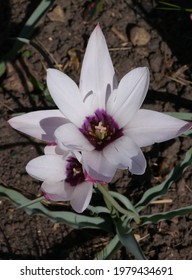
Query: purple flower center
74, 172
101, 129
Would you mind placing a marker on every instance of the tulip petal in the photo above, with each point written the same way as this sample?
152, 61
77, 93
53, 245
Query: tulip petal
131, 92
66, 95
55, 149
97, 166
81, 196
125, 153
47, 167
57, 191
97, 73
71, 137
149, 127
39, 124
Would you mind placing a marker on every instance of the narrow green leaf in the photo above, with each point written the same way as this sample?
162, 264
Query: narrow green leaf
26, 53
128, 240
37, 85
92, 8
75, 220
169, 4
37, 48
181, 116
30, 202
35, 17
173, 7
110, 249
188, 10
113, 204
2, 68
156, 218
29, 26
159, 190
188, 133
168, 9
125, 201
96, 210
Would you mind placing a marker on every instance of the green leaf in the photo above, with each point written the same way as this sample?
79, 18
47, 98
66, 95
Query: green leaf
37, 85
92, 8
30, 202
172, 7
110, 249
185, 117
30, 25
2, 68
37, 48
180, 115
125, 201
75, 220
188, 133
96, 210
35, 17
159, 190
169, 4
156, 218
113, 205
26, 53
128, 240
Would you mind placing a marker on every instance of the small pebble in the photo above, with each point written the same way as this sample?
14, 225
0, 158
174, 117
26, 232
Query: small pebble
139, 36
156, 62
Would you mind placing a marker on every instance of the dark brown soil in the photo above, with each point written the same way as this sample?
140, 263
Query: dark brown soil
165, 49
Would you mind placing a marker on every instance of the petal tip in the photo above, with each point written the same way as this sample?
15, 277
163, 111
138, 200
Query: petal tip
49, 70
186, 127
13, 122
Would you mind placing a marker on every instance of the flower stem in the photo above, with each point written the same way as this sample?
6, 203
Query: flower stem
113, 202
38, 199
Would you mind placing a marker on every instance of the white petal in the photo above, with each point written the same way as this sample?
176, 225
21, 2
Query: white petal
57, 191
131, 92
48, 167
66, 95
55, 150
111, 102
71, 137
91, 103
97, 166
39, 124
125, 153
149, 127
97, 73
81, 196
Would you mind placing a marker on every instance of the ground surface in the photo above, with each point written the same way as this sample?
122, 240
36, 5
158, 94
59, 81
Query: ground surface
163, 44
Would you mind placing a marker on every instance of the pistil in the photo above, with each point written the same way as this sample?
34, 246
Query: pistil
100, 131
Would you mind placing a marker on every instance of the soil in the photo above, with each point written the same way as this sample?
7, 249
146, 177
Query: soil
163, 42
